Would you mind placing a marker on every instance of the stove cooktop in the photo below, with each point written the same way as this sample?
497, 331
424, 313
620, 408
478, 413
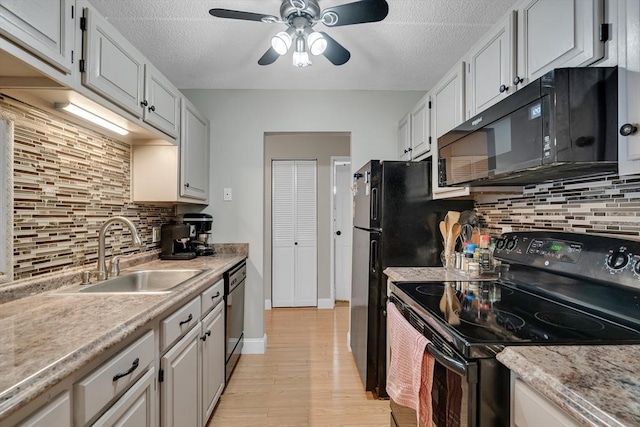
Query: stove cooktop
494, 313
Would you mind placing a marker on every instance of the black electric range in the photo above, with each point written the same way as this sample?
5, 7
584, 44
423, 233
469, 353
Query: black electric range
553, 289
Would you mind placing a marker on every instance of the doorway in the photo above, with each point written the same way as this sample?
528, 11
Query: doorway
342, 223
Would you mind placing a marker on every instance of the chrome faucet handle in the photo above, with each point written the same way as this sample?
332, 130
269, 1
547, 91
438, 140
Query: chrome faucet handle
86, 276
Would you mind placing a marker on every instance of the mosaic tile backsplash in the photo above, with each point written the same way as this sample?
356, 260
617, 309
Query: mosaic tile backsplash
67, 181
606, 204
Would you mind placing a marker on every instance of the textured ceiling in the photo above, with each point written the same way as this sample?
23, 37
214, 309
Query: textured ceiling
418, 42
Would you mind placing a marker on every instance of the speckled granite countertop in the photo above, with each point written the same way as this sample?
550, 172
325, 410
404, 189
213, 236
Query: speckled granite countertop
597, 385
410, 274
45, 336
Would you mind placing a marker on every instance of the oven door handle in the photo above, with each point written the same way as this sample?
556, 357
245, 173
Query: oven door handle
447, 361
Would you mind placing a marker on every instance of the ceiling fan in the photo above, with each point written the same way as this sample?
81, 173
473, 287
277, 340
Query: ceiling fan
301, 16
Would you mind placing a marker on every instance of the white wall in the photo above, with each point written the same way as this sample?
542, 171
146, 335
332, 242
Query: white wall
239, 120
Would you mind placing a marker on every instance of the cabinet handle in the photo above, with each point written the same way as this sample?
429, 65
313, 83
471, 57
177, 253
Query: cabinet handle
517, 80
152, 108
405, 151
628, 129
504, 88
206, 334
133, 367
187, 185
216, 295
144, 103
189, 319
410, 149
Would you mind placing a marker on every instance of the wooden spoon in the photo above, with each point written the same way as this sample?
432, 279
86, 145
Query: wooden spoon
444, 231
453, 236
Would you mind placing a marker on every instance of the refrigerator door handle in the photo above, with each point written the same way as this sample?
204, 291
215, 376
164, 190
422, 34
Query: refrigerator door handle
374, 204
373, 255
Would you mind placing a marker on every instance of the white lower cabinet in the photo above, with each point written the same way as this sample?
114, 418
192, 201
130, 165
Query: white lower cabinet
55, 413
212, 356
531, 409
137, 407
180, 383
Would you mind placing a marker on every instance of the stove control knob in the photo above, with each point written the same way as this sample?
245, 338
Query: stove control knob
617, 260
511, 244
500, 244
636, 268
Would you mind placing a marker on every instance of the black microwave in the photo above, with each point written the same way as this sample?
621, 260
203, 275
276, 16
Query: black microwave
562, 125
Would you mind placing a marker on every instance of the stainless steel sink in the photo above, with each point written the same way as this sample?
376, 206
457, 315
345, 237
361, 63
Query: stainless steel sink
139, 282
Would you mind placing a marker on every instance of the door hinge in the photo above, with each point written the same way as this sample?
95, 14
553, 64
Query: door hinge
161, 376
429, 140
429, 104
83, 23
604, 32
82, 66
73, 11
72, 57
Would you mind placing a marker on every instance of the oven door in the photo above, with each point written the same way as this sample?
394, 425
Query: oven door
454, 398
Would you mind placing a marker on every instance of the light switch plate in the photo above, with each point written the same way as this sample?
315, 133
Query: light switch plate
227, 194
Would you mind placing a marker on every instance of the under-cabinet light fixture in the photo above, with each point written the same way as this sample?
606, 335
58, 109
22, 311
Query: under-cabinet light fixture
81, 112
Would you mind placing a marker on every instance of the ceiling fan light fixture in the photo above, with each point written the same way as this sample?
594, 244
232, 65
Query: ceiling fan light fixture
281, 42
317, 43
301, 56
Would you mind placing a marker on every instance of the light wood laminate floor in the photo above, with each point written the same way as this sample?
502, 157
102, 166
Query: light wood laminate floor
307, 377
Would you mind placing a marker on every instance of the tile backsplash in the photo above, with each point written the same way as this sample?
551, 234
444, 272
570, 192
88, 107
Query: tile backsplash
67, 181
605, 204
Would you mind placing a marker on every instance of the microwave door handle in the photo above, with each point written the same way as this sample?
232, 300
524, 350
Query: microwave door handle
447, 361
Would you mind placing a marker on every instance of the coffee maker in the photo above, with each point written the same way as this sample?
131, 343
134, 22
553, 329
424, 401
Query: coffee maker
199, 232
175, 242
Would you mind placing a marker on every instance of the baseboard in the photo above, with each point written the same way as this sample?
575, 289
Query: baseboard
267, 304
325, 304
255, 345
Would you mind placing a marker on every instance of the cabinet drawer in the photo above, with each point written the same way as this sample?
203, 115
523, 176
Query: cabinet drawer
212, 296
109, 380
176, 325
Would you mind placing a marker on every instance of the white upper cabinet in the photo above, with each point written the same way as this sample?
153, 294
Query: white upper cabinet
161, 102
44, 27
117, 71
558, 33
492, 66
420, 136
447, 112
404, 138
194, 153
629, 87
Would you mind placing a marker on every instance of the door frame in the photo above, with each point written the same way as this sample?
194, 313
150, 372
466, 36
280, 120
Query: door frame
335, 160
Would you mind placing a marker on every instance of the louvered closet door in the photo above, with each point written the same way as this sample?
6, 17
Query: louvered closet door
294, 255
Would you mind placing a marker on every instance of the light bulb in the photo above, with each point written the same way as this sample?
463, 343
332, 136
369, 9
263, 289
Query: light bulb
281, 42
317, 43
301, 59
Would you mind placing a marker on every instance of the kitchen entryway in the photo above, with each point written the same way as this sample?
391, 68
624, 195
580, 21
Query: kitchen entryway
307, 377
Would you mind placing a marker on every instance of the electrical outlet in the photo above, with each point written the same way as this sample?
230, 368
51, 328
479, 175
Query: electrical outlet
227, 194
155, 234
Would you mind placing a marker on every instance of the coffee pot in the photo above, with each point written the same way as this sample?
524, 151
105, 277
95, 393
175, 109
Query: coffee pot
200, 225
176, 242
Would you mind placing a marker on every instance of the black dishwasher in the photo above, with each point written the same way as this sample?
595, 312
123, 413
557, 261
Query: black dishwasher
234, 314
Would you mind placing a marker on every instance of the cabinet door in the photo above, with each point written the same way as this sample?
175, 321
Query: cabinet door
137, 407
55, 413
491, 67
531, 409
404, 138
194, 153
558, 33
213, 360
629, 86
420, 137
447, 112
113, 67
162, 99
179, 403
45, 27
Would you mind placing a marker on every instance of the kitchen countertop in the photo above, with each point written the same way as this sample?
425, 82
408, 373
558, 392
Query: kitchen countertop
597, 385
45, 336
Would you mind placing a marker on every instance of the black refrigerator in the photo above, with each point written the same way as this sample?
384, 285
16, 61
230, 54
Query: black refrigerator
395, 224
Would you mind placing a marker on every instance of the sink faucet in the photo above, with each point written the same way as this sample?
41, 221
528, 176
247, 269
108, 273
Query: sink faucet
102, 265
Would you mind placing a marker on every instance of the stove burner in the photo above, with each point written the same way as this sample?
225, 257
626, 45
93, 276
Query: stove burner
569, 321
511, 322
433, 289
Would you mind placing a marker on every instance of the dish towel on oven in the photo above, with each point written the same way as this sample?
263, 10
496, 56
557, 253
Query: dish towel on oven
410, 375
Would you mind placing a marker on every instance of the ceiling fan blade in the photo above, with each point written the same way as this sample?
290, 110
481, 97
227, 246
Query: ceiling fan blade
335, 52
237, 14
358, 12
269, 57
